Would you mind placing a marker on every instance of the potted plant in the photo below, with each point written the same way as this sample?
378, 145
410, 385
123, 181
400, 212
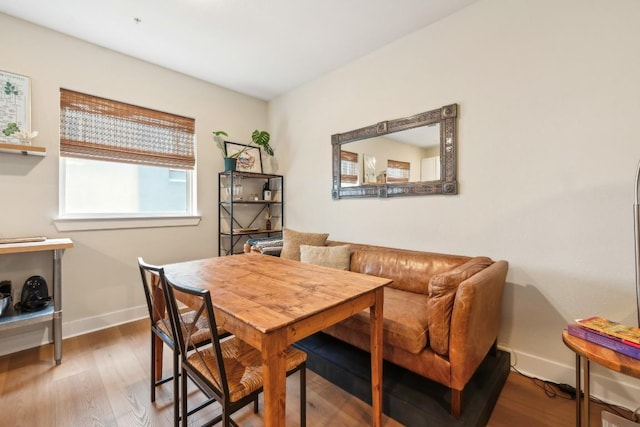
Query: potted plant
229, 162
259, 138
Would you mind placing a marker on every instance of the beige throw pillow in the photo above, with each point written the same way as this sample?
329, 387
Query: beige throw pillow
291, 241
328, 256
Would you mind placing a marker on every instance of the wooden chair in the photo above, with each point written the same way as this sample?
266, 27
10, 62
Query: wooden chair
229, 370
152, 277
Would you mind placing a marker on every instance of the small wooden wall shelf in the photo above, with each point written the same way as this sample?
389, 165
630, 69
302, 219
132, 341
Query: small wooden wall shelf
27, 150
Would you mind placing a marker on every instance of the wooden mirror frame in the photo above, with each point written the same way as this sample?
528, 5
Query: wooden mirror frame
447, 184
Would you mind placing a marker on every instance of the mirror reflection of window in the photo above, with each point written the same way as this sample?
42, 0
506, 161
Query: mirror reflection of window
349, 167
398, 171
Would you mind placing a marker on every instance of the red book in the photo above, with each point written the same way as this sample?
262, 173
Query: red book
609, 342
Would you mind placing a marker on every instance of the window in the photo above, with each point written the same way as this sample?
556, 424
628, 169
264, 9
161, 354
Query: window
348, 167
397, 171
120, 160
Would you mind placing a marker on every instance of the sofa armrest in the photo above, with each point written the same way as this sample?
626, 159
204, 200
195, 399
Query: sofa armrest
475, 321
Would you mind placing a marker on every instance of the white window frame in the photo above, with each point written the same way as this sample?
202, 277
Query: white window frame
178, 156
81, 222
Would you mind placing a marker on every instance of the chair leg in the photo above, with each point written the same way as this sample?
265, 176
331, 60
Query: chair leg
152, 369
303, 396
176, 390
255, 405
183, 389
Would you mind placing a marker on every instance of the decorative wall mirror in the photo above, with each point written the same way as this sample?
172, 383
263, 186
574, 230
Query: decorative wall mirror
411, 156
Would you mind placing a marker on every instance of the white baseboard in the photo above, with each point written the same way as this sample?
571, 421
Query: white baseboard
36, 335
108, 320
606, 385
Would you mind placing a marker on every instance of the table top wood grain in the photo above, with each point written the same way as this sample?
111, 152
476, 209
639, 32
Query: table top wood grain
608, 358
270, 292
44, 245
271, 302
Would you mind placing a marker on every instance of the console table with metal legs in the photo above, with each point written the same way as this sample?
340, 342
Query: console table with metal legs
592, 352
52, 313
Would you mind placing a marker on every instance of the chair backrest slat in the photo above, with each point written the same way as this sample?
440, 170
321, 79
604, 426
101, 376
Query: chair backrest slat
151, 282
185, 325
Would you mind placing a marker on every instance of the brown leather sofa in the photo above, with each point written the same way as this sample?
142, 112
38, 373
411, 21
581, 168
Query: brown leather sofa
441, 312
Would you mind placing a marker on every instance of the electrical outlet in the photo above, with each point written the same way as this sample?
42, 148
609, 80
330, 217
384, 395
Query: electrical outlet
613, 420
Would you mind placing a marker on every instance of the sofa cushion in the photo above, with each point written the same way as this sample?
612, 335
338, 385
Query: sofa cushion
409, 270
291, 241
405, 320
328, 256
442, 292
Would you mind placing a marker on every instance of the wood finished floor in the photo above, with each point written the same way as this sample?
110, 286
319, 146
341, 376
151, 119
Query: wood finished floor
104, 381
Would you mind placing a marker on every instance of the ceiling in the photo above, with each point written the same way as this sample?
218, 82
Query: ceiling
261, 48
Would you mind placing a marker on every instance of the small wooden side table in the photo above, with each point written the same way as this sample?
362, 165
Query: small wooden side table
51, 313
592, 352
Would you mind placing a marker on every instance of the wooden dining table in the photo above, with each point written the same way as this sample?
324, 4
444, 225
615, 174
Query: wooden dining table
270, 303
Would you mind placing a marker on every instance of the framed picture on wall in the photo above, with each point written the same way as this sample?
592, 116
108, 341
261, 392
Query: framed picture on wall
250, 160
15, 106
369, 167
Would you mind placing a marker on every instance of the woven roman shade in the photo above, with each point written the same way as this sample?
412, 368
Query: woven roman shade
101, 129
397, 171
348, 167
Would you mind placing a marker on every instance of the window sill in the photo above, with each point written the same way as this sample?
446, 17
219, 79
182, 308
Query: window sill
85, 224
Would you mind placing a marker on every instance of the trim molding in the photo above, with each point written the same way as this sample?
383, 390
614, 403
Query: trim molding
107, 320
606, 385
36, 335
84, 224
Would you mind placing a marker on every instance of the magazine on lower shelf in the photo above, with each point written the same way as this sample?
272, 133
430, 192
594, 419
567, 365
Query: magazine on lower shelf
609, 342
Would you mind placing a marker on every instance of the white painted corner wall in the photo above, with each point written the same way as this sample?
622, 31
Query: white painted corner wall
548, 138
101, 281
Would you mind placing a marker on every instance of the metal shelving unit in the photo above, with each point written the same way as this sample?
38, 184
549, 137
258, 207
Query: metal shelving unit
243, 211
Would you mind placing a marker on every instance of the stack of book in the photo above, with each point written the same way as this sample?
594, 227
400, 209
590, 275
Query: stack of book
615, 336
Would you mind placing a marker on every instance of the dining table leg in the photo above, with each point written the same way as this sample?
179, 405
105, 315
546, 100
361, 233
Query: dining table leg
274, 374
376, 357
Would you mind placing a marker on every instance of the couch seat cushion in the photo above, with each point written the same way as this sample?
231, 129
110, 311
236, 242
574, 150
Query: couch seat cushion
405, 320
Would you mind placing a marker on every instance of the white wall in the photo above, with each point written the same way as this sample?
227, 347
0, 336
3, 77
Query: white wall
548, 145
100, 276
548, 94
